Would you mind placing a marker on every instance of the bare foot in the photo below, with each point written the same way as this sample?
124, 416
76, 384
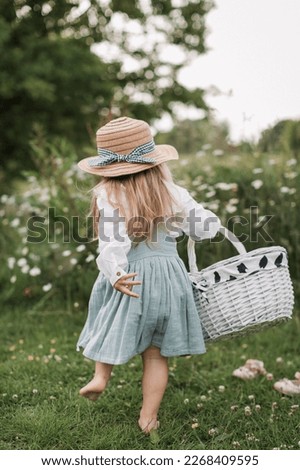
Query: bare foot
93, 389
147, 425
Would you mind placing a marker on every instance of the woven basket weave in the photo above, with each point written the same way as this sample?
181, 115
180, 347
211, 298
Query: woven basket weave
244, 293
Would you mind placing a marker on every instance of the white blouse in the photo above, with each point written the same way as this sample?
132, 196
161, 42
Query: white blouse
114, 243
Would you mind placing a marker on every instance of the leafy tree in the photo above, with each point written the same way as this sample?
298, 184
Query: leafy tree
291, 137
284, 136
70, 65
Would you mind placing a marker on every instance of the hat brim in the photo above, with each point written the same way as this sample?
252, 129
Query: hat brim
162, 153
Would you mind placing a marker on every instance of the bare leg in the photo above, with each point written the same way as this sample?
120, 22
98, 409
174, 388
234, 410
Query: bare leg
96, 386
154, 383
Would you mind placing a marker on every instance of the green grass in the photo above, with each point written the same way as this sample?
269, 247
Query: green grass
41, 373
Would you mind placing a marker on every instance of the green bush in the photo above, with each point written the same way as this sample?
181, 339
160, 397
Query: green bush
46, 233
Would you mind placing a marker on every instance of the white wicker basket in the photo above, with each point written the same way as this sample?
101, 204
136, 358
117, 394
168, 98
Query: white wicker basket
244, 293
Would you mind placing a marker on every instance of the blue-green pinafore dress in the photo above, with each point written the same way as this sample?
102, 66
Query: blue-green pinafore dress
118, 326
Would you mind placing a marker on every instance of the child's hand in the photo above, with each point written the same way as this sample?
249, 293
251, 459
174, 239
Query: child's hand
123, 285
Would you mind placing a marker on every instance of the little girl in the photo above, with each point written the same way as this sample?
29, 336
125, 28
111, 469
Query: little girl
142, 300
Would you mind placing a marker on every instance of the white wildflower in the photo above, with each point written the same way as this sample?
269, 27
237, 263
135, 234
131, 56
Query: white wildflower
291, 174
73, 261
80, 248
13, 279
284, 189
213, 206
35, 271
186, 401
15, 222
223, 186
47, 287
201, 153
257, 184
291, 162
256, 171
34, 256
25, 269
236, 444
221, 388
230, 208
22, 262
211, 193
66, 253
11, 200
206, 146
218, 153
11, 262
90, 258
25, 251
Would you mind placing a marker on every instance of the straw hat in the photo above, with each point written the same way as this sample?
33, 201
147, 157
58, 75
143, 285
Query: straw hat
126, 146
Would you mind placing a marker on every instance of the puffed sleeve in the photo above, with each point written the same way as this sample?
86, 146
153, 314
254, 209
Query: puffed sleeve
197, 222
114, 243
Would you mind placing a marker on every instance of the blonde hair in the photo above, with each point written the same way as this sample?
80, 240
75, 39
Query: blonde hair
148, 200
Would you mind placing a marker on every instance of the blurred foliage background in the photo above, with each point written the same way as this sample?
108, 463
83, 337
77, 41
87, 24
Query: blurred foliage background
51, 75
68, 67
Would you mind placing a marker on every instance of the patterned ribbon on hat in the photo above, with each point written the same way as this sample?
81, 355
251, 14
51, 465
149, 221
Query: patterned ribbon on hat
106, 157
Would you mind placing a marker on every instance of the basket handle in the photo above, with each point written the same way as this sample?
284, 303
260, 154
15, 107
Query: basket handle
227, 233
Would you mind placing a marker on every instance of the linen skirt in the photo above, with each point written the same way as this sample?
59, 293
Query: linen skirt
118, 326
